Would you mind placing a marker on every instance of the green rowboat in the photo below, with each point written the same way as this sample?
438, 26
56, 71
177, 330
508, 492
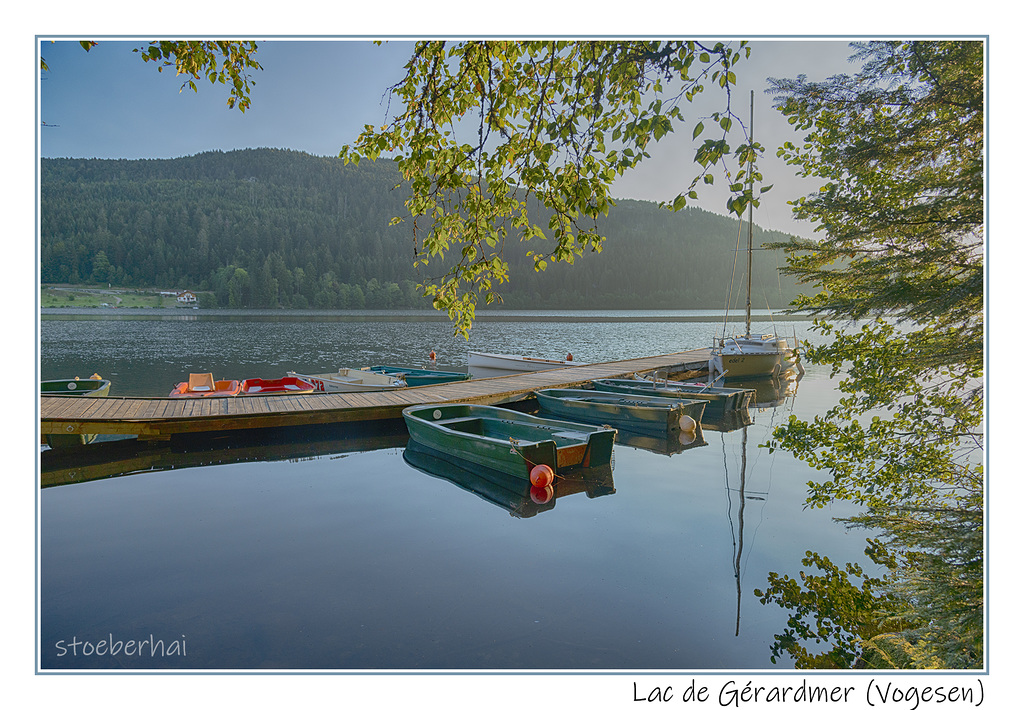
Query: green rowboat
506, 440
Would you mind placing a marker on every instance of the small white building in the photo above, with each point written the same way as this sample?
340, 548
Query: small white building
187, 297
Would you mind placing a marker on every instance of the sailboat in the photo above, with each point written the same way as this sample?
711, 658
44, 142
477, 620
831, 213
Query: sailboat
752, 354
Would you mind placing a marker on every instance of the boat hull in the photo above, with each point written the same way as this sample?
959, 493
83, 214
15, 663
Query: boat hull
419, 378
514, 363
349, 380
508, 441
721, 400
751, 357
657, 416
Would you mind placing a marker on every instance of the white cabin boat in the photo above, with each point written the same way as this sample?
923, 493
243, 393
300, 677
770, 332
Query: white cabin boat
751, 355
350, 380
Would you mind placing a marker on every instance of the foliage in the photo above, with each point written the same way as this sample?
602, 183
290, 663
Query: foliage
221, 62
900, 149
503, 140
312, 232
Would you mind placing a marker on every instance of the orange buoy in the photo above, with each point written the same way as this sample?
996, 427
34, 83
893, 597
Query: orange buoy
433, 355
540, 496
568, 358
541, 475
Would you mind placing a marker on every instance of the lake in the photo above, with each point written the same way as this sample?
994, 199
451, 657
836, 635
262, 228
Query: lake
336, 551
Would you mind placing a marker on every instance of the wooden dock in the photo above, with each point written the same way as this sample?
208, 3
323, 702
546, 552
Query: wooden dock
159, 418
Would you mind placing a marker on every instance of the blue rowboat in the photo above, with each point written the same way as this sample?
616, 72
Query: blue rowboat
417, 378
720, 399
660, 416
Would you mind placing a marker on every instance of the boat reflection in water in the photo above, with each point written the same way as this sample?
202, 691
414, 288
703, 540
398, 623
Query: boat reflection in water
512, 493
129, 456
664, 445
771, 392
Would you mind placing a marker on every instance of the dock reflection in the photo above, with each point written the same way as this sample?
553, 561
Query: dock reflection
58, 467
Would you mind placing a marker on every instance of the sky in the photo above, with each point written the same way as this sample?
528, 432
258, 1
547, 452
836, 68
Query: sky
316, 94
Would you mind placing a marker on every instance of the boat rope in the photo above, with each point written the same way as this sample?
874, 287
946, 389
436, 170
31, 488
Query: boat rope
732, 278
515, 450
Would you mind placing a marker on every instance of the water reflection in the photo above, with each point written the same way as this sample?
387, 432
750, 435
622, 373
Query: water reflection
511, 493
129, 456
736, 526
668, 445
770, 392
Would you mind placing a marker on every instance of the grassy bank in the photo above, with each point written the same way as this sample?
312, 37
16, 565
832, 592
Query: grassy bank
82, 297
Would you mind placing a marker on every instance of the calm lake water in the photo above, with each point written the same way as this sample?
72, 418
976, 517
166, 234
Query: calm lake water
336, 552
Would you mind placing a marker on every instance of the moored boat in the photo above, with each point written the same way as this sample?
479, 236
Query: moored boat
350, 380
520, 444
282, 385
202, 384
661, 416
506, 364
720, 399
753, 354
414, 377
94, 386
750, 356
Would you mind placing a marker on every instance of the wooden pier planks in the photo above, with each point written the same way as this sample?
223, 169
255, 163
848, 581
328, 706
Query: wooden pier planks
161, 417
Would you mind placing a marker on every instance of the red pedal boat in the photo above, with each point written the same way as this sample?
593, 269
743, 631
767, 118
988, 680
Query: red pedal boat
284, 385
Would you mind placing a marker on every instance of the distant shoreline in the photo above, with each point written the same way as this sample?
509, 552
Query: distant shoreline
552, 315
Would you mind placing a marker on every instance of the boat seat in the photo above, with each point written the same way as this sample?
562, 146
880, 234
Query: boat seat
201, 382
470, 425
580, 435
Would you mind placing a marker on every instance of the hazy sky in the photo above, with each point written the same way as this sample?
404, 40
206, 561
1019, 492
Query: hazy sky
315, 95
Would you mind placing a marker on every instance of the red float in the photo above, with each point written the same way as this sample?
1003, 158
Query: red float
541, 475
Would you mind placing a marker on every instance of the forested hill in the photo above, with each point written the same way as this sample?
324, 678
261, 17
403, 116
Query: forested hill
267, 228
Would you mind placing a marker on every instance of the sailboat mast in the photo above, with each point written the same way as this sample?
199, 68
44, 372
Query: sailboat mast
750, 217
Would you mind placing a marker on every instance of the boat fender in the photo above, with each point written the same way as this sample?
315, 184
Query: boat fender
541, 475
687, 423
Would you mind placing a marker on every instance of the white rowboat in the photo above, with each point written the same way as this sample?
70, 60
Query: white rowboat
514, 363
349, 380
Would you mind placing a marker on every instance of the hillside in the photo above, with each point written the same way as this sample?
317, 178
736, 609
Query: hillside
266, 228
